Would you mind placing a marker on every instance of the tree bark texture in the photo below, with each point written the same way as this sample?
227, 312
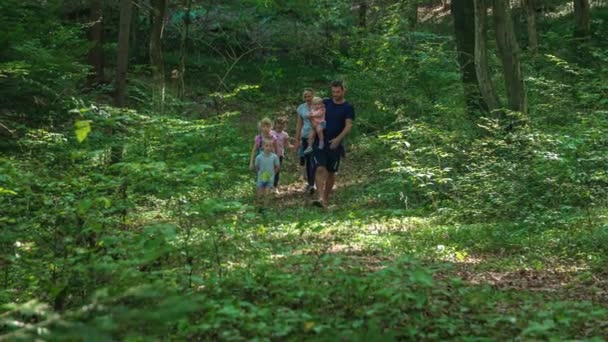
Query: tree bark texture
508, 51
122, 62
531, 23
413, 15
156, 55
486, 86
463, 11
582, 16
95, 35
363, 14
183, 50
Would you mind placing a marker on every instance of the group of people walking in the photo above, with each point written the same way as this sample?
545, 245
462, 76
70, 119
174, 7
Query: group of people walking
322, 125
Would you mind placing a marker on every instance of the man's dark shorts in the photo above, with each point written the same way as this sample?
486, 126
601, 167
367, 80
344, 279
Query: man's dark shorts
328, 158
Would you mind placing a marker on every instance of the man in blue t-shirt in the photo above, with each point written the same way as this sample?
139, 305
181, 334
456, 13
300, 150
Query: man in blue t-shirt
339, 117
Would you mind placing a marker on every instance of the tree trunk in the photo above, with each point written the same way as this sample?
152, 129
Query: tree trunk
508, 51
486, 86
531, 22
95, 35
122, 65
582, 27
413, 15
183, 50
363, 14
122, 62
133, 48
464, 31
156, 55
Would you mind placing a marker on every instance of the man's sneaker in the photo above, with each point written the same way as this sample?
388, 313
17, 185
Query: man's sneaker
309, 189
308, 150
319, 204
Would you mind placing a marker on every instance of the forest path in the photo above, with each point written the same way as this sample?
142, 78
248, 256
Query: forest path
368, 234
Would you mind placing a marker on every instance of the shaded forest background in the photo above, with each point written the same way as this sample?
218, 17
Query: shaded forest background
473, 202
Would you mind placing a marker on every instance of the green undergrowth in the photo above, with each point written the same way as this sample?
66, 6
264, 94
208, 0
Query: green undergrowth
195, 260
139, 224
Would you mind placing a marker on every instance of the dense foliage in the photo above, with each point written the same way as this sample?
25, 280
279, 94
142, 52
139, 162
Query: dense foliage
446, 224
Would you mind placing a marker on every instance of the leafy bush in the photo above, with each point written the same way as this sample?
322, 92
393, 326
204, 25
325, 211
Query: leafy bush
40, 62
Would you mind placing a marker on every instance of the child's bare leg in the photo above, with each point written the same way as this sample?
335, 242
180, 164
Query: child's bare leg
265, 196
262, 201
311, 140
311, 137
259, 196
319, 130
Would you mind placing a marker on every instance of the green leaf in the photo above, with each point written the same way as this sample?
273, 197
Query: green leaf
461, 256
6, 191
539, 328
82, 129
421, 276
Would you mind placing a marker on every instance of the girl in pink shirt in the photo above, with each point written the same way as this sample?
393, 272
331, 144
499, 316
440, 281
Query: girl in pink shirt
317, 120
282, 139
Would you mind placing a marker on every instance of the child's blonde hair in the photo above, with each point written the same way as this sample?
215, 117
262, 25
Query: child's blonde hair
317, 100
281, 120
265, 122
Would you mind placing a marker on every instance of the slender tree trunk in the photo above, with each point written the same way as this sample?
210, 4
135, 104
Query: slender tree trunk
183, 51
508, 51
363, 14
123, 53
413, 15
464, 30
531, 23
486, 86
582, 26
122, 65
156, 55
133, 48
95, 35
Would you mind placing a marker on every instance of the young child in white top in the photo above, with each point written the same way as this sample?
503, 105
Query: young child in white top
317, 120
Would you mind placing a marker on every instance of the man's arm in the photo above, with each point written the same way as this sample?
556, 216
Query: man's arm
335, 142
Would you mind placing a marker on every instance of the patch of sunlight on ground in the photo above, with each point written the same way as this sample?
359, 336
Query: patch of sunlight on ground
397, 224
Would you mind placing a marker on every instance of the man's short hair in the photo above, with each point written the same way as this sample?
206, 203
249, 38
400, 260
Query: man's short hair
336, 84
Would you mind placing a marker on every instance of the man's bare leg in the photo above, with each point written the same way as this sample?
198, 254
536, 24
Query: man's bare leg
330, 179
321, 178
